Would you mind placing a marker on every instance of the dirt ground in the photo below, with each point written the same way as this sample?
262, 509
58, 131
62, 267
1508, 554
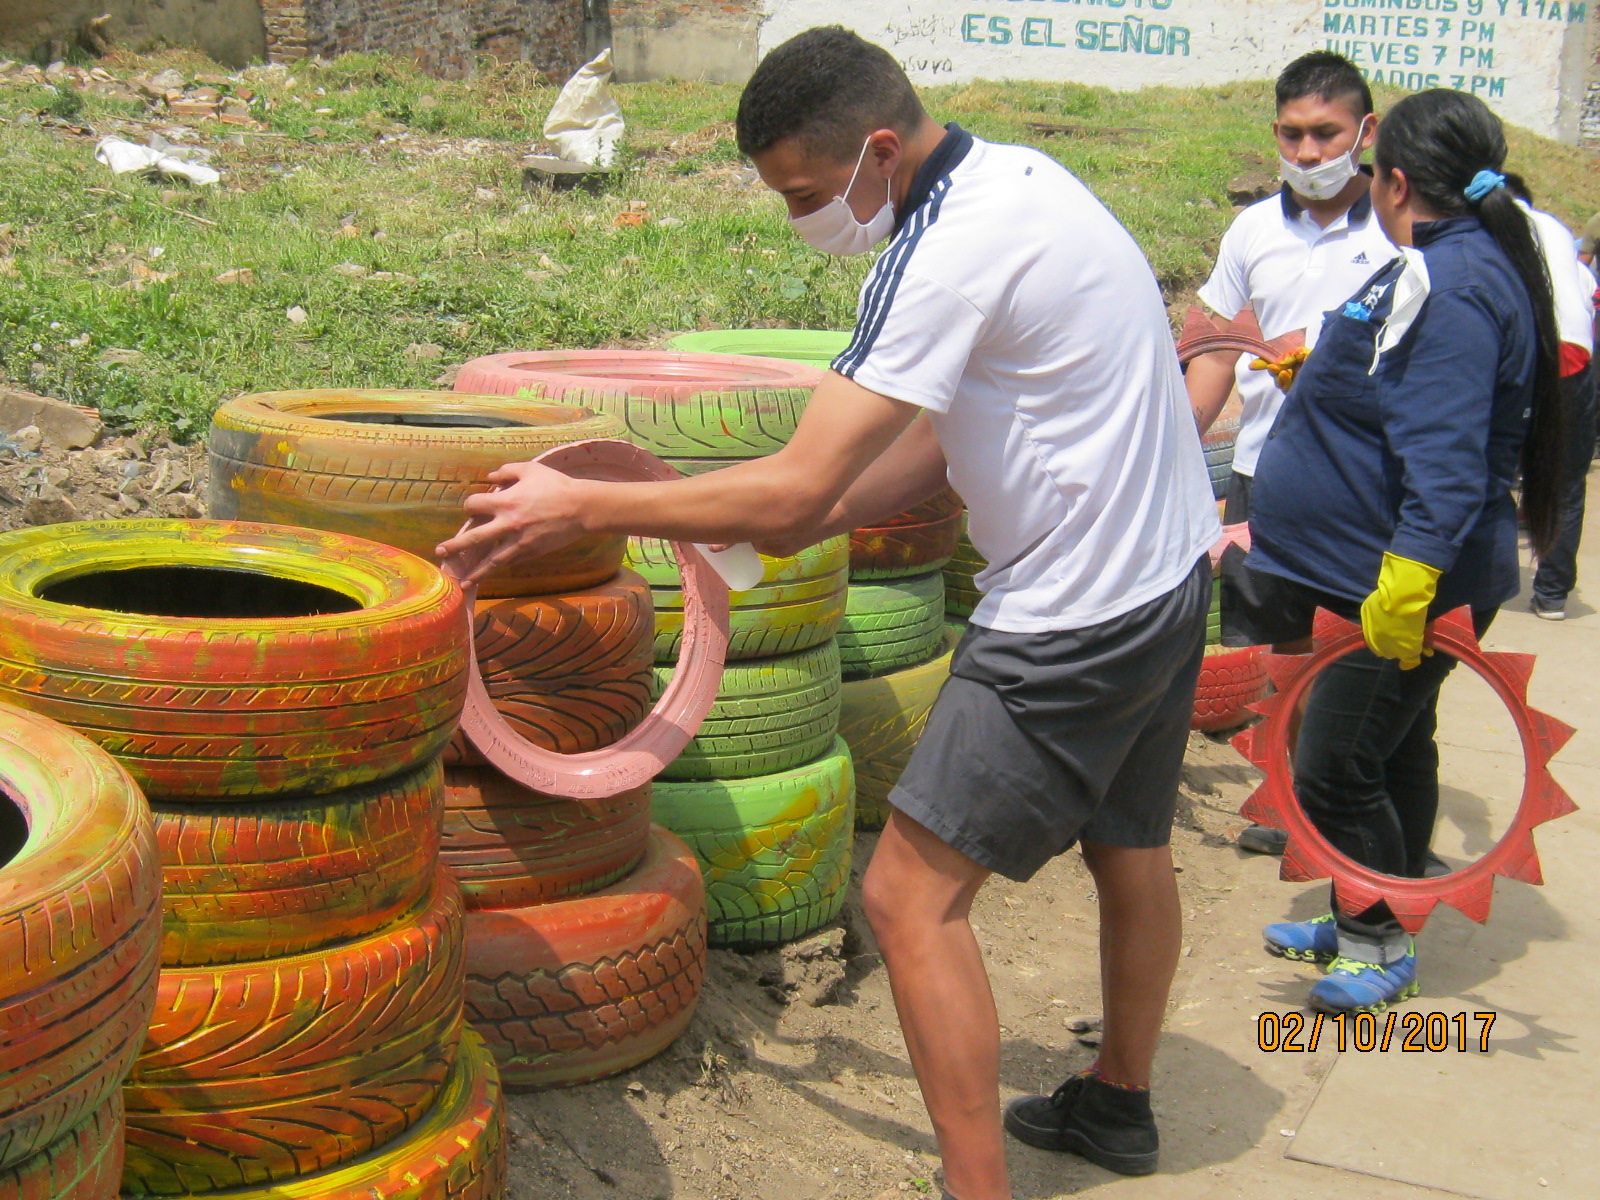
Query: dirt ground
770, 1096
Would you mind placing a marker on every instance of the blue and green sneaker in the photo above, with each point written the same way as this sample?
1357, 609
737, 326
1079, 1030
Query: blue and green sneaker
1313, 941
1353, 986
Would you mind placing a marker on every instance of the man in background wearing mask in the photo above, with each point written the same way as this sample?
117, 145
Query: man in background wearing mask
1012, 341
1291, 258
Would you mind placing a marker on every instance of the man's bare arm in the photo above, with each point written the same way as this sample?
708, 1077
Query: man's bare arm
536, 509
1210, 379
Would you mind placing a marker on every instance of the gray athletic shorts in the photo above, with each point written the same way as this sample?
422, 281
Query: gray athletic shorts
1039, 739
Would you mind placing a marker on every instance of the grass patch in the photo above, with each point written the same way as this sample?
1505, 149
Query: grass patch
395, 219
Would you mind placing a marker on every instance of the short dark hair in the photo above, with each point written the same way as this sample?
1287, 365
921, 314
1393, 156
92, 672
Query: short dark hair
1328, 77
829, 88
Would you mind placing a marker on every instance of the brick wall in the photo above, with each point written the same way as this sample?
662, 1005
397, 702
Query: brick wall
445, 37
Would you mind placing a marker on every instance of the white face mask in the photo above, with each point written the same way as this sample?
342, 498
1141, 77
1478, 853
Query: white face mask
1325, 180
833, 228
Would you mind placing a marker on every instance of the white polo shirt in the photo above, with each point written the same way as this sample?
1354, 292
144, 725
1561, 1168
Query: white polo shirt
1570, 281
1017, 311
1277, 260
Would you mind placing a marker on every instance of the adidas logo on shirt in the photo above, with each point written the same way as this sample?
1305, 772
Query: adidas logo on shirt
1361, 260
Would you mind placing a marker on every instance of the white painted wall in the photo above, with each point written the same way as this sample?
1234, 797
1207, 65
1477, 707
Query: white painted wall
1529, 59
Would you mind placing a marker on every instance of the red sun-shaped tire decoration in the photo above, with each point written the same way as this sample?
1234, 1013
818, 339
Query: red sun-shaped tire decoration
1308, 856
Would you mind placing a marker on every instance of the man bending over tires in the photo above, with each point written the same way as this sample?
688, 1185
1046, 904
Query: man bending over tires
1011, 340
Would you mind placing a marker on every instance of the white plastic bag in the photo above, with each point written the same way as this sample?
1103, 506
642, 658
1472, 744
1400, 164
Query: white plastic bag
123, 156
585, 123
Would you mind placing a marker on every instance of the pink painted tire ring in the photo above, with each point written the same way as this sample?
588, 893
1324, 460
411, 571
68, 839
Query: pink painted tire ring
711, 408
1231, 680
677, 715
1308, 856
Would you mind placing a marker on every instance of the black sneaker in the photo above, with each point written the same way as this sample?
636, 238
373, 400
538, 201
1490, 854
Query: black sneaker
1110, 1126
1263, 839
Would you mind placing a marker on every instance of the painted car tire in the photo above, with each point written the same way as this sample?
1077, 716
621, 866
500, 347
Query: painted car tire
253, 881
811, 347
569, 673
261, 1071
881, 721
84, 1163
799, 603
961, 595
1307, 855
1231, 680
699, 406
80, 933
294, 458
891, 625
455, 1152
919, 540
509, 847
579, 989
775, 850
771, 714
666, 730
210, 707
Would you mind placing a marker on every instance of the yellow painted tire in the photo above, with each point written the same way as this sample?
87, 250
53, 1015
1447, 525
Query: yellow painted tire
218, 659
881, 720
456, 1152
395, 466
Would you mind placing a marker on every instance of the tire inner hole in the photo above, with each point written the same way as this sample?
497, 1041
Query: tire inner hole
426, 420
180, 591
13, 828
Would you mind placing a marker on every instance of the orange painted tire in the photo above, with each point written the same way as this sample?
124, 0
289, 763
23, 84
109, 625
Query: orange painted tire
395, 466
1230, 682
569, 673
919, 540
80, 931
710, 408
799, 603
456, 1152
261, 1071
509, 846
353, 668
253, 881
580, 989
85, 1163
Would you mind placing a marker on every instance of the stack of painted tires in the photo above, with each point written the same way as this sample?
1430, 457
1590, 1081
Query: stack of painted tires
1231, 678
80, 939
895, 644
765, 793
585, 948
282, 696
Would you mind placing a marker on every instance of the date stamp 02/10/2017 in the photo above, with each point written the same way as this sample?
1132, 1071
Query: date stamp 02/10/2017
1410, 1032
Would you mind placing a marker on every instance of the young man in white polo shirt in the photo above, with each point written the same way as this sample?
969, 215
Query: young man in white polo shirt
1291, 258
1010, 341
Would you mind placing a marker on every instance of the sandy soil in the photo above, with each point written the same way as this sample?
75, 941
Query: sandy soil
770, 1096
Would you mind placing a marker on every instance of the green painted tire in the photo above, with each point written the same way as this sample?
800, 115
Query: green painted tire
881, 720
771, 715
891, 625
961, 595
1214, 615
798, 604
814, 347
775, 850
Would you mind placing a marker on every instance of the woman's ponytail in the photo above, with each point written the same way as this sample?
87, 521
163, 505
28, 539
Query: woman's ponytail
1451, 148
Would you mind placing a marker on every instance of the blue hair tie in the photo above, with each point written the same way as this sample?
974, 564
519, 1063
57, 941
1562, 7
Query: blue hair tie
1483, 183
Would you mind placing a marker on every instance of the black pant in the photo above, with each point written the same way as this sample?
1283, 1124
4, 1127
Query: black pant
1558, 570
1366, 766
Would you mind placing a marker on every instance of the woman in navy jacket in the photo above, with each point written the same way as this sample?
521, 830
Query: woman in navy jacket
1386, 494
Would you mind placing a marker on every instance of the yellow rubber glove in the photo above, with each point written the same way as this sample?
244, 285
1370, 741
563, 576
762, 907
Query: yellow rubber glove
1394, 617
1285, 369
